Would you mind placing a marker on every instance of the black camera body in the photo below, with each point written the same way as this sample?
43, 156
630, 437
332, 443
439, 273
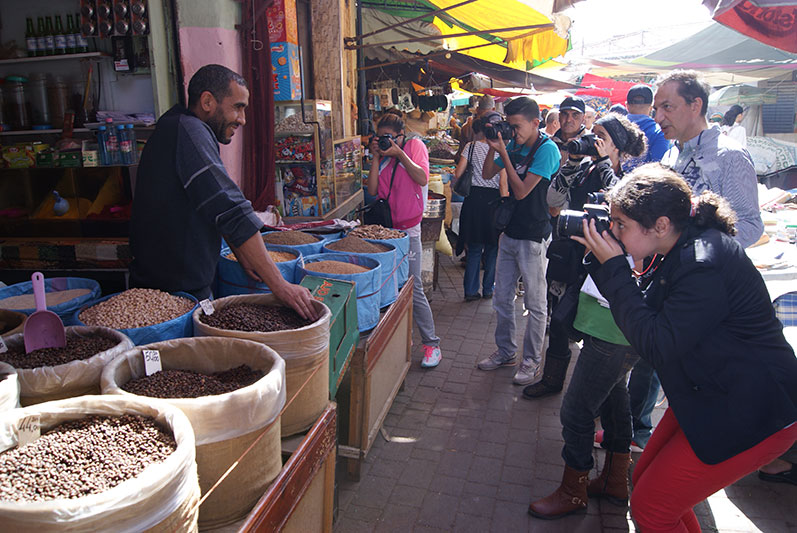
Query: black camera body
571, 222
584, 145
383, 141
492, 129
596, 198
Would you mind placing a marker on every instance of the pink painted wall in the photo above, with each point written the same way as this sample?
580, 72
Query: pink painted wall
202, 46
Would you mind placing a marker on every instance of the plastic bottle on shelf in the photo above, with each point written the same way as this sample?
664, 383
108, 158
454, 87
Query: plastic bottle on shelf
102, 141
49, 36
30, 37
60, 36
131, 137
112, 143
124, 144
41, 41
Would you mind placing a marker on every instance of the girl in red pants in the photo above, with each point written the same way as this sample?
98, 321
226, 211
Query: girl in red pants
707, 326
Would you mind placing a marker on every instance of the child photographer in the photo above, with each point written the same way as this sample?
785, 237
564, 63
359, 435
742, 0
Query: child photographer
706, 324
400, 175
615, 139
598, 385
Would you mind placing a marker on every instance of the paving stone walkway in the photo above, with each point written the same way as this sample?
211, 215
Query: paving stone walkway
462, 451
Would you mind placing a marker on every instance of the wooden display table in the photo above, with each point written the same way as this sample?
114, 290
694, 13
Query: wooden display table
301, 498
377, 371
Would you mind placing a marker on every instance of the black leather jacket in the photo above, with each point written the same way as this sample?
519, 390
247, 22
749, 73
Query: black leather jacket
707, 325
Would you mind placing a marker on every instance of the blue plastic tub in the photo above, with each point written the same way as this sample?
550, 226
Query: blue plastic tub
402, 245
182, 326
231, 278
65, 310
366, 283
388, 285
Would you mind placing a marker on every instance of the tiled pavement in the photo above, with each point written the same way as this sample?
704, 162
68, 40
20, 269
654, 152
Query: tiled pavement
462, 451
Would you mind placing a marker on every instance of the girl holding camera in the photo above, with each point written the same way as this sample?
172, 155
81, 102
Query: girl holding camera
400, 174
598, 386
707, 325
475, 221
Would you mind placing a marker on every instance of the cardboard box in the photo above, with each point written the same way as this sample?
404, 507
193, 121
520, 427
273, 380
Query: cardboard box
282, 23
341, 298
286, 71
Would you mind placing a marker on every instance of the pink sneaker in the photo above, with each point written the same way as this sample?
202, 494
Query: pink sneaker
431, 356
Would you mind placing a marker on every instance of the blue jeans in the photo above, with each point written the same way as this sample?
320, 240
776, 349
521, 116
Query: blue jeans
598, 387
644, 390
473, 265
421, 312
518, 258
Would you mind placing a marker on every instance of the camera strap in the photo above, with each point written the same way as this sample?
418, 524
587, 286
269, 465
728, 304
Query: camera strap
524, 165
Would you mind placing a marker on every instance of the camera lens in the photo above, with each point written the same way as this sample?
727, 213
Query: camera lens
570, 223
384, 142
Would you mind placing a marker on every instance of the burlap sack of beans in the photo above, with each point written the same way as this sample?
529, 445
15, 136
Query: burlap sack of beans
77, 378
225, 425
304, 351
162, 498
9, 388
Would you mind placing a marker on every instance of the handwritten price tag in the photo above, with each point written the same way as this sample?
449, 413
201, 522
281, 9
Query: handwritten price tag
152, 361
28, 430
207, 307
3, 347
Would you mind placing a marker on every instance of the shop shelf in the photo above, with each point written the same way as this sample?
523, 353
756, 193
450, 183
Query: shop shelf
85, 55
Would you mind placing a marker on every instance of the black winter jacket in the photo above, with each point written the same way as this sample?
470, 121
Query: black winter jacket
706, 324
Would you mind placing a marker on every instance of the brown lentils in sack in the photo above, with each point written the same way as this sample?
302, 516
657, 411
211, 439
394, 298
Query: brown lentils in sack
335, 267
192, 384
81, 457
255, 317
76, 349
291, 238
358, 246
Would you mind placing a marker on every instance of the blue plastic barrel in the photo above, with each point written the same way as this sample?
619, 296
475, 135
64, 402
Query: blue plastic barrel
232, 279
388, 285
182, 326
366, 283
402, 245
65, 310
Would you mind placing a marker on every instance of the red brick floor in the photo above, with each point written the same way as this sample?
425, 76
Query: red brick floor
462, 451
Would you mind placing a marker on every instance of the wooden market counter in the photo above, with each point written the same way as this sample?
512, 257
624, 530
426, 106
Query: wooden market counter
376, 374
301, 498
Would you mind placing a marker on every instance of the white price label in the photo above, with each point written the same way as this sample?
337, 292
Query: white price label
207, 307
3, 347
152, 361
28, 430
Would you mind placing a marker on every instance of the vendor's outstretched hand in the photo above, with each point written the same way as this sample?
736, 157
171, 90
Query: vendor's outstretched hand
299, 298
602, 245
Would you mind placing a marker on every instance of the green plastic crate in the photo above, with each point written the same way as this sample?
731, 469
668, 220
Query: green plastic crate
341, 298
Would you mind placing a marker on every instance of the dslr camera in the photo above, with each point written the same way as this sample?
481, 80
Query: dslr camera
492, 129
570, 222
584, 145
383, 141
596, 198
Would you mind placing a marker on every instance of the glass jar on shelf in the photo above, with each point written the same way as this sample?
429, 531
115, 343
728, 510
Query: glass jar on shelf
58, 99
17, 107
39, 102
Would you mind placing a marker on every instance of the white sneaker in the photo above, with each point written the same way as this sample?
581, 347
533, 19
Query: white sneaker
496, 360
526, 373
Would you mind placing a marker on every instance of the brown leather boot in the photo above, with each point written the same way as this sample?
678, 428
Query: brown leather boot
569, 498
612, 483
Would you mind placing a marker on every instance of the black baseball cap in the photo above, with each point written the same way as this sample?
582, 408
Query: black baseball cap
573, 102
640, 94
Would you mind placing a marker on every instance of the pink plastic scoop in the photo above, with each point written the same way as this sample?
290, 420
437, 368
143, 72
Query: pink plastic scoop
43, 329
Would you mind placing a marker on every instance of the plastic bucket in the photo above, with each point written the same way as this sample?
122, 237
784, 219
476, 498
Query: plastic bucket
231, 278
367, 283
182, 326
388, 285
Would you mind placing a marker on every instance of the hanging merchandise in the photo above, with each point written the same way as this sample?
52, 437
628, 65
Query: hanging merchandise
405, 101
386, 98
